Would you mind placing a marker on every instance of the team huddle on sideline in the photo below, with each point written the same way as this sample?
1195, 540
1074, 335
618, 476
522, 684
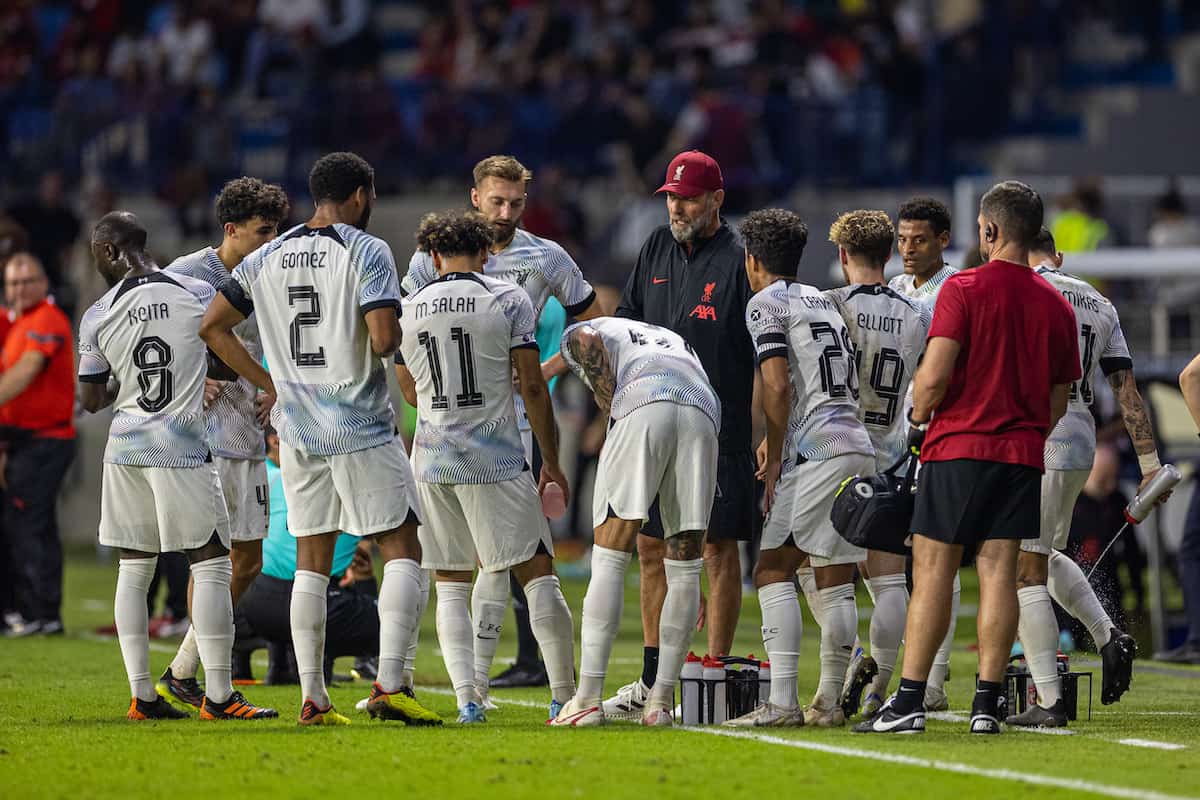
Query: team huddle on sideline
293, 328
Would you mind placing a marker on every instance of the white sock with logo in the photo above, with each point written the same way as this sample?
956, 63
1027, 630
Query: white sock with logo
1070, 589
675, 627
133, 623
489, 601
941, 661
782, 628
187, 659
308, 634
1038, 629
890, 593
456, 638
410, 658
840, 615
550, 619
602, 606
399, 599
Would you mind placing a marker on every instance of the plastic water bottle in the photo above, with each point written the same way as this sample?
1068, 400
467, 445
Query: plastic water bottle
714, 686
764, 682
691, 682
554, 502
1141, 505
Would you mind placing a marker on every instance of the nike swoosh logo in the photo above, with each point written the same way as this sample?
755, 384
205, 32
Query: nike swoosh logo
882, 726
659, 280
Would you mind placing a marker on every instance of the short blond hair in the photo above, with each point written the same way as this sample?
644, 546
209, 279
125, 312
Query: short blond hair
506, 168
864, 233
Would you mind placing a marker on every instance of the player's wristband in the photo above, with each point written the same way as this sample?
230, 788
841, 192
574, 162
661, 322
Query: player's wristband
918, 425
1149, 463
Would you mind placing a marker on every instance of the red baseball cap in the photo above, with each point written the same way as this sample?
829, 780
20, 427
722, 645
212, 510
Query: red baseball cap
692, 173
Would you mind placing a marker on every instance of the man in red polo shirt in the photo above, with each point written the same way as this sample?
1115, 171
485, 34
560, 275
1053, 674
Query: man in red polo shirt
1001, 355
37, 403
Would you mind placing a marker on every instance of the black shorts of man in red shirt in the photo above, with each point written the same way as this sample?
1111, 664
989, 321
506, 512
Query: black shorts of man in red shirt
998, 365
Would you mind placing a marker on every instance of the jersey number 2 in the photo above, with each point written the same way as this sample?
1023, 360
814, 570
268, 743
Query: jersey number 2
302, 320
152, 356
470, 396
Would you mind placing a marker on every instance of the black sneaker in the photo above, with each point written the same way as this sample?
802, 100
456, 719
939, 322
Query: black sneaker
186, 694
864, 672
52, 627
1118, 657
987, 720
1041, 717
888, 720
366, 668
153, 709
521, 675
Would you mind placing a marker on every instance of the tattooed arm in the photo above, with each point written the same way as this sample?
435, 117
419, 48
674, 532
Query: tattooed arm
590, 358
1137, 421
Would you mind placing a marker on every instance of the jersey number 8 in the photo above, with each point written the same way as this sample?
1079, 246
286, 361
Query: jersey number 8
152, 356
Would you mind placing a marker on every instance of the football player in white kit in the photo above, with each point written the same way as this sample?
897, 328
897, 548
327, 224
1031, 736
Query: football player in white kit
139, 351
662, 441
462, 336
326, 294
250, 212
1042, 571
922, 236
888, 331
814, 441
543, 269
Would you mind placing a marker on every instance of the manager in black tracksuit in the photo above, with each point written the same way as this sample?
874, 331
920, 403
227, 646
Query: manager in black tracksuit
690, 277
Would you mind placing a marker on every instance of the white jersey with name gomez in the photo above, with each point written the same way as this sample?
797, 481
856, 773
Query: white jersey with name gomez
310, 289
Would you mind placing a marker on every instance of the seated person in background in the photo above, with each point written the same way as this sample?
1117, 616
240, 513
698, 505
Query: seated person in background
263, 612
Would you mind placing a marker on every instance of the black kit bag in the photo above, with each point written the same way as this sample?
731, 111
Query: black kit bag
874, 512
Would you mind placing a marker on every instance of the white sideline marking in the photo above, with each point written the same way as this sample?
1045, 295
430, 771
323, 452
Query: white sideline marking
950, 766
1074, 784
947, 716
1151, 744
502, 701
1046, 731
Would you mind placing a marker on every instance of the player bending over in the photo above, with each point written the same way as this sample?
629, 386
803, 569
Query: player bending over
326, 294
662, 443
462, 336
814, 441
139, 351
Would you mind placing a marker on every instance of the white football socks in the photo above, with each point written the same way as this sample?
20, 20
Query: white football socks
1038, 630
308, 634
1070, 589
129, 609
890, 595
808, 584
676, 624
550, 619
489, 601
212, 619
410, 658
455, 637
602, 606
782, 627
840, 617
187, 658
399, 599
941, 661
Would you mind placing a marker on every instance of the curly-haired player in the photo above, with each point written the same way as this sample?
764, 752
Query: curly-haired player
250, 212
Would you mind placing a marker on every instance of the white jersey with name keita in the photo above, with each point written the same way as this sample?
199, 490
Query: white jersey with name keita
650, 365
310, 289
928, 291
888, 331
145, 332
233, 429
797, 322
1072, 443
458, 336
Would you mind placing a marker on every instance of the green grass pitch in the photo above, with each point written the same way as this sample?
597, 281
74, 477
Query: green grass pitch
63, 735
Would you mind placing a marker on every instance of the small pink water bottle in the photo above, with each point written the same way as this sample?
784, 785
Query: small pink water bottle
554, 502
